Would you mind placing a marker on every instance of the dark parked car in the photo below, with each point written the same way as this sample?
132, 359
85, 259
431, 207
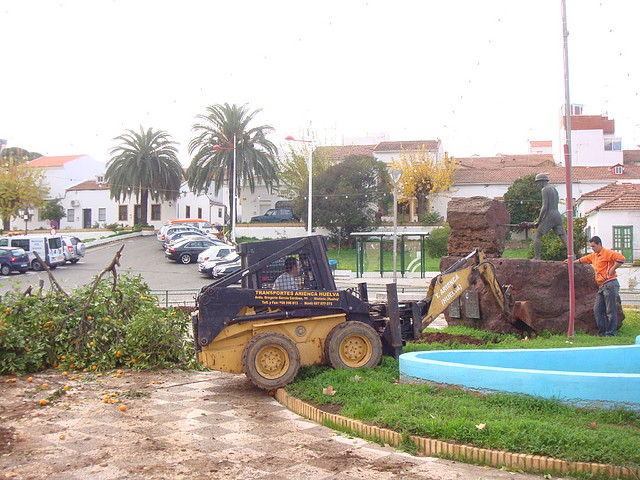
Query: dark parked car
274, 215
187, 251
13, 259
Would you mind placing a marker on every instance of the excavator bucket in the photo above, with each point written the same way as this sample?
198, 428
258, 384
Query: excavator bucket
523, 316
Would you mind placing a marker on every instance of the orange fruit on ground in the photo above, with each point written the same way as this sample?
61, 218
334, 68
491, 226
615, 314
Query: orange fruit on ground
44, 385
43, 402
93, 367
30, 379
66, 387
106, 399
123, 408
64, 374
62, 357
120, 371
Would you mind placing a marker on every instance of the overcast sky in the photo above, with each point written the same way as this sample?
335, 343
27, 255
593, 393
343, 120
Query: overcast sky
483, 76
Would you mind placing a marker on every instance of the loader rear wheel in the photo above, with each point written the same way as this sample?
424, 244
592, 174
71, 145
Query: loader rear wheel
271, 360
353, 345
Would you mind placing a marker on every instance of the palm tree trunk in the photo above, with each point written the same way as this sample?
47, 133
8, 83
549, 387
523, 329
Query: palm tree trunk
144, 200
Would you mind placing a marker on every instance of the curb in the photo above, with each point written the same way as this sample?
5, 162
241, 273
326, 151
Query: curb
466, 453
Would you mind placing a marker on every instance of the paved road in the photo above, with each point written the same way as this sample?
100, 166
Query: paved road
189, 425
141, 256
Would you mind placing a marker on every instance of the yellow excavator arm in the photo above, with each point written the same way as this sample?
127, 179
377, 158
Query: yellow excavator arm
450, 284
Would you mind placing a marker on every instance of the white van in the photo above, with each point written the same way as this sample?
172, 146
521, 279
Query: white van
49, 247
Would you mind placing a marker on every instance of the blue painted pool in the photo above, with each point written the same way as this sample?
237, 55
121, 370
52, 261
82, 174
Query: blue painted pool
598, 376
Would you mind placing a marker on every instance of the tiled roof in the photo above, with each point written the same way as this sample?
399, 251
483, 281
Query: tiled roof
613, 190
591, 122
540, 143
407, 145
53, 161
89, 185
630, 157
556, 174
340, 152
500, 161
626, 201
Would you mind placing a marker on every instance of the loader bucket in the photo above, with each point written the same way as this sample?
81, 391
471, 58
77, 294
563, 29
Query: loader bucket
523, 316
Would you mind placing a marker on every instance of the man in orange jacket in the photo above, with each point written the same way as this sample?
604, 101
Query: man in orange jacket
605, 262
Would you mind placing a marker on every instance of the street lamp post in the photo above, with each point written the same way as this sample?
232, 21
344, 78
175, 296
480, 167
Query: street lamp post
310, 168
395, 177
25, 217
233, 189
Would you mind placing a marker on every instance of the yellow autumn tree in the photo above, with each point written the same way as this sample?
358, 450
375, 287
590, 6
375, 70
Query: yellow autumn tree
423, 176
21, 186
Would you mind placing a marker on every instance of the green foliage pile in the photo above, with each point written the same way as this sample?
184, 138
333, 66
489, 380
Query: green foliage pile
552, 248
436, 242
431, 217
121, 327
523, 199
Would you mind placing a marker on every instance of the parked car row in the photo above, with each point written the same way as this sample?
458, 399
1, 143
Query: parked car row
19, 252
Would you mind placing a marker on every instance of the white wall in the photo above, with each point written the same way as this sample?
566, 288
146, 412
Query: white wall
587, 148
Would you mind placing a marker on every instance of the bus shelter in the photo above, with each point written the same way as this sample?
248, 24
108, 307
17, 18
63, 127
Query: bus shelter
374, 252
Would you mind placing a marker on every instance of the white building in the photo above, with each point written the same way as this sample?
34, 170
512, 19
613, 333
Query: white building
61, 172
613, 213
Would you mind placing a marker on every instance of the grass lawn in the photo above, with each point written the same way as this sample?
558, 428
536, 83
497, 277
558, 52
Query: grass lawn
516, 423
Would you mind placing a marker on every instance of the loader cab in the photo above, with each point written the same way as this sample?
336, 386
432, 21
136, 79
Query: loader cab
263, 262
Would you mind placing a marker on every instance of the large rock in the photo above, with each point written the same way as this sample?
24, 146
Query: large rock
545, 284
477, 222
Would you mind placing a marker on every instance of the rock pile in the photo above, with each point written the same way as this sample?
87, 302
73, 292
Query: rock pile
545, 284
477, 223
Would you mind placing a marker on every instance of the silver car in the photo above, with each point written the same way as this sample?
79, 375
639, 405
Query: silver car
73, 249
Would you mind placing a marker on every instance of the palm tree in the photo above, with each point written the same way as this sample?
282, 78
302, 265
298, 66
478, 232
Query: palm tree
145, 164
213, 160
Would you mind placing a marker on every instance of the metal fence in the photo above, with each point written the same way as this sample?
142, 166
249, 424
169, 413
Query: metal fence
174, 298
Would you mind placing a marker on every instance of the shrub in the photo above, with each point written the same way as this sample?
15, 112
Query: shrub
436, 242
552, 248
431, 217
121, 327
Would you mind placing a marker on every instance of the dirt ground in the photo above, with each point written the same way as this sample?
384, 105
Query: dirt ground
192, 425
441, 337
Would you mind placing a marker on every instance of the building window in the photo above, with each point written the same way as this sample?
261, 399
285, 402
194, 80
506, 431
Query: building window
199, 212
100, 179
102, 214
612, 144
155, 212
219, 213
187, 211
618, 170
123, 213
71, 215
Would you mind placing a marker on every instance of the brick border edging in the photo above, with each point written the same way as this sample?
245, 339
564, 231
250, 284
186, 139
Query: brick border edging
429, 447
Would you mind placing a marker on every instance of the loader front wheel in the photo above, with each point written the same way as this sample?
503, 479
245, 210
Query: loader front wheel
271, 360
353, 345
